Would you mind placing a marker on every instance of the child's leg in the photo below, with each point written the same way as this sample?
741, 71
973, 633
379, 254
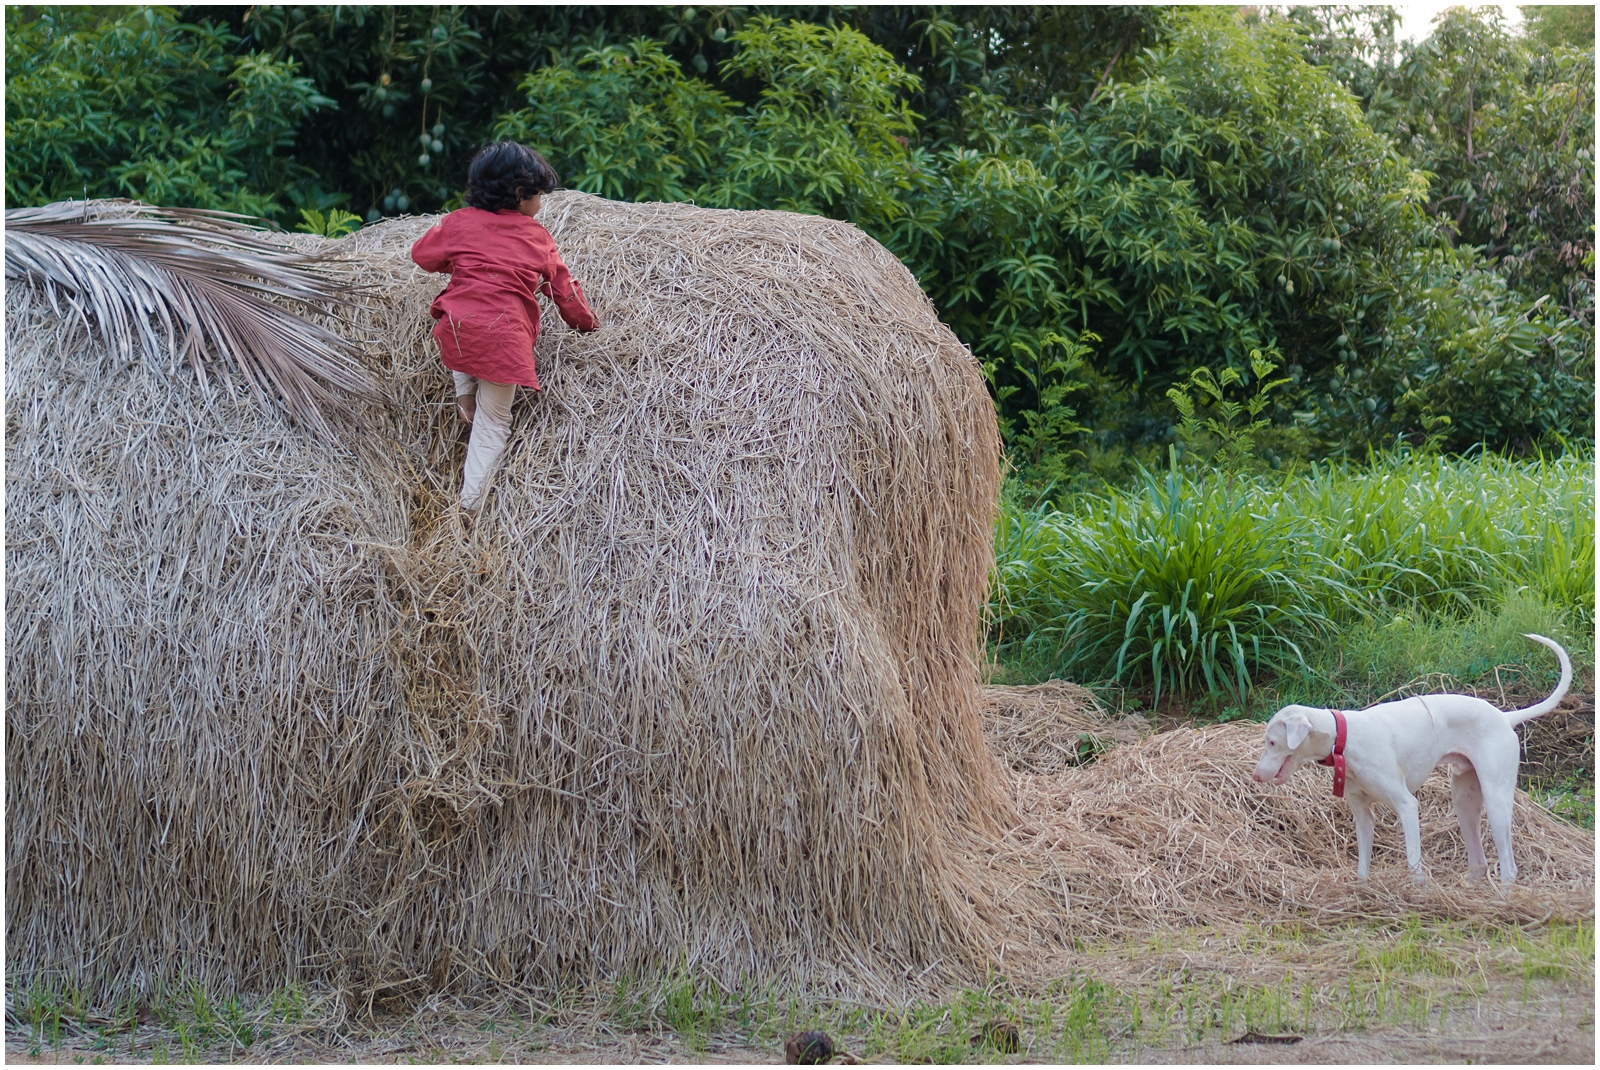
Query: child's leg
489, 433
466, 395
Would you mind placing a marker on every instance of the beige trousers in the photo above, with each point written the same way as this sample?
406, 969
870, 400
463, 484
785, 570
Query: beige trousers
490, 427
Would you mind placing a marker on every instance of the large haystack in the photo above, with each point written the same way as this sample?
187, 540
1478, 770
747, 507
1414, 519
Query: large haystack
698, 686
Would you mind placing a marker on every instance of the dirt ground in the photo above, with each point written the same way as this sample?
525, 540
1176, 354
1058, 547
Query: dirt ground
1496, 1035
1529, 1000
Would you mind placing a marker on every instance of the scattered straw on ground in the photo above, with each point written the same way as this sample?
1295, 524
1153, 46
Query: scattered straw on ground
1046, 728
1173, 831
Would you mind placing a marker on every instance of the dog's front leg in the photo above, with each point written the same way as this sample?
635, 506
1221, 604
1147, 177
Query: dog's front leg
1405, 805
1361, 811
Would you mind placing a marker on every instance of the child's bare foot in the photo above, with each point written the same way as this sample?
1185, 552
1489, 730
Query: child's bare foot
467, 407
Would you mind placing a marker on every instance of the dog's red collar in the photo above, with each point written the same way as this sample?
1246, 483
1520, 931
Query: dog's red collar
1336, 759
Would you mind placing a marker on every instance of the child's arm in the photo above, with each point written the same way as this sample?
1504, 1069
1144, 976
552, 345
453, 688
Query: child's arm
564, 290
431, 252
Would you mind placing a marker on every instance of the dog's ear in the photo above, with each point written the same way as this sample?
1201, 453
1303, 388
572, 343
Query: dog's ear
1298, 726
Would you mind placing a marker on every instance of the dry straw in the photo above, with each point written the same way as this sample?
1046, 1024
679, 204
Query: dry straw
698, 688
1051, 727
1173, 831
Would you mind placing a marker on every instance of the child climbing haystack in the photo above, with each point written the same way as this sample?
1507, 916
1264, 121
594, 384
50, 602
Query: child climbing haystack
498, 259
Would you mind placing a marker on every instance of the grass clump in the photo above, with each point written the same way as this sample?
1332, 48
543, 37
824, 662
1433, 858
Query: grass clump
1406, 651
1570, 797
1206, 585
1186, 583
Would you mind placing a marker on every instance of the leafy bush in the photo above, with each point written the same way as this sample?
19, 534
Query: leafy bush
1225, 428
1100, 201
1464, 360
1504, 125
142, 105
1223, 196
1181, 584
624, 122
827, 134
1203, 585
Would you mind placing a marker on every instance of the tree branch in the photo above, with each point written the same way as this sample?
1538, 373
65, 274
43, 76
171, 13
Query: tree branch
1107, 72
1566, 123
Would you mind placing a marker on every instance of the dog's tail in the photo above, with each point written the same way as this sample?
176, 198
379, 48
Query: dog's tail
1516, 717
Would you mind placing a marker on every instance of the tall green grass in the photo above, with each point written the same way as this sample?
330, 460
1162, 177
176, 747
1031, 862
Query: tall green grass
1203, 585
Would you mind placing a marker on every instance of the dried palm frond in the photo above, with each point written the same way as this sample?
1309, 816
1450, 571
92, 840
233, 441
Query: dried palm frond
202, 282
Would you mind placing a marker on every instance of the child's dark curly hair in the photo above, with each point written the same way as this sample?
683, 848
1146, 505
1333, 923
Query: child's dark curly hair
505, 173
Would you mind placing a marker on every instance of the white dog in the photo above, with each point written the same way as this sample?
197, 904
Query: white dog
1389, 750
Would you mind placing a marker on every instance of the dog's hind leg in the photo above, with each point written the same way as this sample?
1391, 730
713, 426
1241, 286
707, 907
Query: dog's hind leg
1468, 796
1497, 799
1361, 811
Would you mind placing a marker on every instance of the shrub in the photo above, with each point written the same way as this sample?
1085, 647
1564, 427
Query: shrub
142, 105
1183, 584
1464, 360
1203, 585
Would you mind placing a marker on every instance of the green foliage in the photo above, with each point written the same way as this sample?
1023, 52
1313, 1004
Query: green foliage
1202, 586
1403, 652
335, 224
415, 90
827, 133
1038, 438
1226, 197
1464, 360
1181, 584
1505, 127
1556, 25
1101, 201
140, 104
1026, 55
1510, 135
448, 74
1228, 432
1570, 797
624, 122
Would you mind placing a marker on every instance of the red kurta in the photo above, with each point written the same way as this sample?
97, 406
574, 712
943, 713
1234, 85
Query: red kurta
488, 318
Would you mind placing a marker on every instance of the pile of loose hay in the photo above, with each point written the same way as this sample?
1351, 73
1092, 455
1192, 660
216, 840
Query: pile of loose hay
1173, 831
698, 687
1045, 728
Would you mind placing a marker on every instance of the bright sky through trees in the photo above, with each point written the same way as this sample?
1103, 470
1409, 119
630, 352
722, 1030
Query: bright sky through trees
1416, 20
